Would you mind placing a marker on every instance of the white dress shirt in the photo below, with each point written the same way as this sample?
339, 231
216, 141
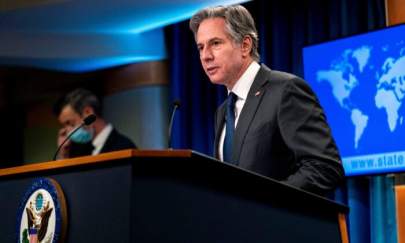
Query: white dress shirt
99, 141
241, 89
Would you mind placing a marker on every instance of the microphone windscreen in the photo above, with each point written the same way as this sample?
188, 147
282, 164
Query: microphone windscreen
89, 119
176, 103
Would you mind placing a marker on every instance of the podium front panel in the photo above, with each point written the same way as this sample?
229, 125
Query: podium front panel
144, 196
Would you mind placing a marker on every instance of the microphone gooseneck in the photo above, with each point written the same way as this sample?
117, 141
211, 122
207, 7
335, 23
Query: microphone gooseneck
86, 121
176, 105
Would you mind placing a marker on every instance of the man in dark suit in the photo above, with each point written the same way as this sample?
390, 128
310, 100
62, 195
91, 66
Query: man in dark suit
98, 137
271, 123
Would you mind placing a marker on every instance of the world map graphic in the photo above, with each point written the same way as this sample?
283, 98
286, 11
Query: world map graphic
360, 83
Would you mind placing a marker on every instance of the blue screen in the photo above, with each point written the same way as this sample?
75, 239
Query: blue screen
360, 83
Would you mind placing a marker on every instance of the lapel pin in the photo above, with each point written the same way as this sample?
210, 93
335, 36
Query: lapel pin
257, 93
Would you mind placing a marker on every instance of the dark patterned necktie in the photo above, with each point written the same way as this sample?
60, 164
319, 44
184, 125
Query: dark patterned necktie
230, 127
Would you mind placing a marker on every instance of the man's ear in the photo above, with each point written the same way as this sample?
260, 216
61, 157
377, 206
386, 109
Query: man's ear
87, 110
247, 44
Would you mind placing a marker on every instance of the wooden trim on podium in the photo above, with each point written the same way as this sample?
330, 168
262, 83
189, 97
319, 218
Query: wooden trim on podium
182, 153
123, 154
395, 12
400, 212
343, 228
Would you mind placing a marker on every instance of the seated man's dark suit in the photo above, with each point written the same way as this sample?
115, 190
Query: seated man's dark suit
282, 133
115, 141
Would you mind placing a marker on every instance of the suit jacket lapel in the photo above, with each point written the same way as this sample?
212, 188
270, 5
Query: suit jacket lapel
109, 142
253, 100
219, 124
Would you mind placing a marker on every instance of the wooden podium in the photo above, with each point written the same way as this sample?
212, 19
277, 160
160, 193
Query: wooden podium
173, 196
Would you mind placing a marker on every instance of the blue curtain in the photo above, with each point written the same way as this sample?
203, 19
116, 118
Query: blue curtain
193, 126
284, 26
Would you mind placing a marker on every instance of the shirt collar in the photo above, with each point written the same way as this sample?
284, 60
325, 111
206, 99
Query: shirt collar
242, 86
101, 138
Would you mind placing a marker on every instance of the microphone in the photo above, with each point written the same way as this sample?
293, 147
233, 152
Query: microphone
89, 119
176, 104
86, 121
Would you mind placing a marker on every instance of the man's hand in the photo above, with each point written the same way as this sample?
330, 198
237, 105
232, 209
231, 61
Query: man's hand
64, 151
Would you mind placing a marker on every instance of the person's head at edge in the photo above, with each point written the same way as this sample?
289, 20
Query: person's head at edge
227, 41
76, 106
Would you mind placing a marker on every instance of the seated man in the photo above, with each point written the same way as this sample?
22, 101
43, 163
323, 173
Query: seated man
98, 137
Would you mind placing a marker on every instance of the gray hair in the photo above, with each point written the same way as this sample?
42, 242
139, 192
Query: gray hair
78, 99
238, 21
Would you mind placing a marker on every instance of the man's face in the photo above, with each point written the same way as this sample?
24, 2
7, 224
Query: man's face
69, 118
223, 60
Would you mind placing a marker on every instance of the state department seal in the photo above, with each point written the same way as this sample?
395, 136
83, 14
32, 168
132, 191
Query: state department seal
42, 215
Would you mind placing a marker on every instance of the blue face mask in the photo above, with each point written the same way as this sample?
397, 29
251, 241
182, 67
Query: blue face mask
82, 136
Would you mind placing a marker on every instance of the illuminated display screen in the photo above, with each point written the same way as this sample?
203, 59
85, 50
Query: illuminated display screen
360, 82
